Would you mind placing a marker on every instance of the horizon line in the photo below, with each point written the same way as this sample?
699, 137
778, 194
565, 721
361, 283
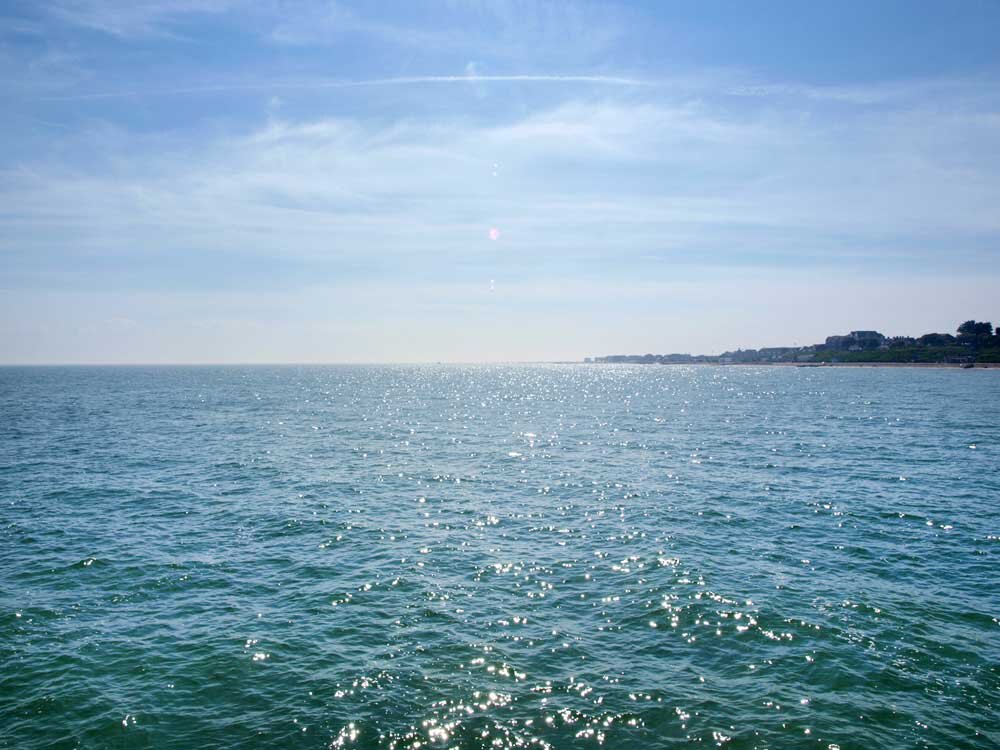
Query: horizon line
298, 364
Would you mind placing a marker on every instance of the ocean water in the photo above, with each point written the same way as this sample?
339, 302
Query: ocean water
499, 557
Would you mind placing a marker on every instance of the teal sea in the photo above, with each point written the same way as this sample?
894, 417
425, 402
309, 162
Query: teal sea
499, 557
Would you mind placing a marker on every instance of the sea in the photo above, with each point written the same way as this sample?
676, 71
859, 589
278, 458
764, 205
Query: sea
508, 556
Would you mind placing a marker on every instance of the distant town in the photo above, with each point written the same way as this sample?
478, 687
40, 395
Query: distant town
973, 342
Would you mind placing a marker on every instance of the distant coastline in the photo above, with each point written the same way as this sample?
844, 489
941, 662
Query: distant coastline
975, 344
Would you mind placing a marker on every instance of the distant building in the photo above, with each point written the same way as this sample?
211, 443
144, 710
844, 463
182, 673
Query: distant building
856, 341
838, 343
776, 352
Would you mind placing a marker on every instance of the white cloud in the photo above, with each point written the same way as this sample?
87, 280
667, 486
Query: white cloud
137, 17
661, 207
661, 174
319, 84
502, 30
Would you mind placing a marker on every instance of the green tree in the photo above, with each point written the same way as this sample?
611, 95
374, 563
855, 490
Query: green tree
936, 339
974, 328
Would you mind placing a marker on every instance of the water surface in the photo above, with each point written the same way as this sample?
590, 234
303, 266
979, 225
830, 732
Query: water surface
499, 557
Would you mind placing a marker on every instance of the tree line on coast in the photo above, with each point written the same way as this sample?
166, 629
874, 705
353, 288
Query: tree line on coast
973, 342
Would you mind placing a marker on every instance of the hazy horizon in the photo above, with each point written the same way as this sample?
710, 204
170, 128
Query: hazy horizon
219, 181
404, 362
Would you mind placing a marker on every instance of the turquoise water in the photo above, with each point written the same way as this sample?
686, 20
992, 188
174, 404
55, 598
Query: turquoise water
499, 557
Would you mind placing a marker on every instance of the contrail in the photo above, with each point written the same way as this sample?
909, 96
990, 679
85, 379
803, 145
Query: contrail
398, 81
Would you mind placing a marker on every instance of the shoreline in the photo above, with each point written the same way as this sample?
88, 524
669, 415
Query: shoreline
808, 365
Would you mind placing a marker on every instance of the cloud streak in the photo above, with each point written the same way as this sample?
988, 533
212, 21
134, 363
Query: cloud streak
541, 78
135, 19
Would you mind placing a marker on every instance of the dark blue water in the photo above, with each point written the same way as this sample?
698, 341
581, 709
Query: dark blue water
499, 557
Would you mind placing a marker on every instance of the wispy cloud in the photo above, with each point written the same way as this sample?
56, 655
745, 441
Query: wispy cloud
498, 29
952, 90
585, 182
136, 18
315, 85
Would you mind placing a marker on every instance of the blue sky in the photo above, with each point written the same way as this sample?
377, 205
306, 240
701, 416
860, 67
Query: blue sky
229, 181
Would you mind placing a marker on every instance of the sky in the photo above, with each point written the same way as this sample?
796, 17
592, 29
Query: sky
188, 181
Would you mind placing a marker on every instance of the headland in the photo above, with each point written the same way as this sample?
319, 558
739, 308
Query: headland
974, 344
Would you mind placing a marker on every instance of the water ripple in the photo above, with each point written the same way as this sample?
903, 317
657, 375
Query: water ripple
499, 557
